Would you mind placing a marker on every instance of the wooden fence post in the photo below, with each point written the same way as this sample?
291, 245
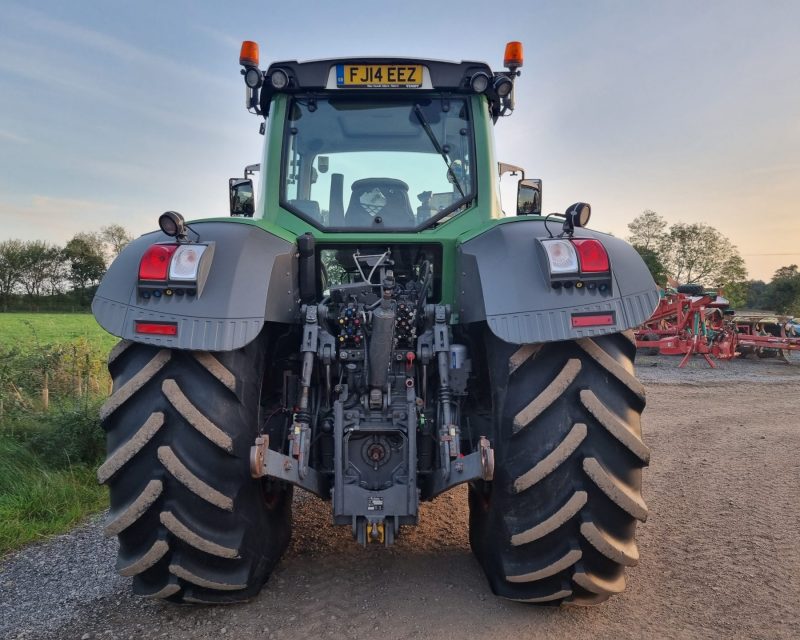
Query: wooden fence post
46, 392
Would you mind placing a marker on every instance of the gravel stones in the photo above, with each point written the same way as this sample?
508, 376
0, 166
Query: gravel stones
42, 586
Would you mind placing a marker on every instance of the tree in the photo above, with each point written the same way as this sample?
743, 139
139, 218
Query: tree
654, 264
57, 272
647, 231
40, 262
783, 293
115, 237
698, 253
784, 273
732, 278
86, 261
755, 294
11, 268
689, 253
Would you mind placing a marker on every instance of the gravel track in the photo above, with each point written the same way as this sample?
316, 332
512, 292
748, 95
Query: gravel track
720, 551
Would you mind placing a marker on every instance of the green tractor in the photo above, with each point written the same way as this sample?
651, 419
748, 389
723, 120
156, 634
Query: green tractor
373, 329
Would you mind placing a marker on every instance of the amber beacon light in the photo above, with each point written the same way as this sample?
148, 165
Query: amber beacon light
248, 55
513, 56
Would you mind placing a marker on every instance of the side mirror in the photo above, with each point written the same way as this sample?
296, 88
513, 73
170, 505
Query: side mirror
529, 197
241, 197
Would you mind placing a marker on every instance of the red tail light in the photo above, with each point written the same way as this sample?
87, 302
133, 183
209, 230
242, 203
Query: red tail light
155, 262
592, 255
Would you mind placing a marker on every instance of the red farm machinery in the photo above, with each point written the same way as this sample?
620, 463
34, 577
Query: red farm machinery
692, 321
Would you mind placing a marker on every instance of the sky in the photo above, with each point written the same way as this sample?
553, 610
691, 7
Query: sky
113, 112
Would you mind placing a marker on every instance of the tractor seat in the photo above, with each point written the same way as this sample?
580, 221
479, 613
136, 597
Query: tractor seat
379, 203
307, 207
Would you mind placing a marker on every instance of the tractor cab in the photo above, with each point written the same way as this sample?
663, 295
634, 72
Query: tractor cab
374, 144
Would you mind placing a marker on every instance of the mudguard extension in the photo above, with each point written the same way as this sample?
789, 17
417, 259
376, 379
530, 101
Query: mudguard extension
504, 281
253, 279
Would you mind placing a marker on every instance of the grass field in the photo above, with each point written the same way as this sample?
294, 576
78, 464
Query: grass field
37, 500
22, 329
49, 450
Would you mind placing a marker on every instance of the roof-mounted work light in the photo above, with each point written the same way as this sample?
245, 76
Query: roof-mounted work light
279, 79
253, 77
479, 82
503, 86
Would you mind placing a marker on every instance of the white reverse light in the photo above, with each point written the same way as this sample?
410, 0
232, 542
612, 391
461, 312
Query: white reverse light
186, 262
561, 255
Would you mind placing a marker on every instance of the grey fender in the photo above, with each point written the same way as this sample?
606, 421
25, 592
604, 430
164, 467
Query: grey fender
252, 280
503, 280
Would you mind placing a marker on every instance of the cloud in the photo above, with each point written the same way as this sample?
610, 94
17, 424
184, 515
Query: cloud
113, 47
52, 218
220, 37
7, 135
20, 59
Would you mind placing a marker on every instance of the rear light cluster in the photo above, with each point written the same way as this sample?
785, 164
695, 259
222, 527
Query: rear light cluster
578, 263
173, 269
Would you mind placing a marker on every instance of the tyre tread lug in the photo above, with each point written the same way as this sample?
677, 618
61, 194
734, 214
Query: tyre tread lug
194, 484
551, 393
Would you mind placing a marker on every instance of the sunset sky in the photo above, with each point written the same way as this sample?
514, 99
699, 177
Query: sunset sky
114, 112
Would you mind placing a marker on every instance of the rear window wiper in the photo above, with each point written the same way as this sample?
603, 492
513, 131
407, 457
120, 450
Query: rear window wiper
427, 128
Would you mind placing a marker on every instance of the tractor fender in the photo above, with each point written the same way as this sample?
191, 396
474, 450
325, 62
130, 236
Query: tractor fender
252, 280
503, 280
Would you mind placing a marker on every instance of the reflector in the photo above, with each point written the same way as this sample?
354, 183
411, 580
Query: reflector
592, 320
157, 328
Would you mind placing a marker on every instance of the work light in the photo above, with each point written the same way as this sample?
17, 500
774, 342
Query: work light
503, 86
279, 80
253, 77
479, 82
172, 224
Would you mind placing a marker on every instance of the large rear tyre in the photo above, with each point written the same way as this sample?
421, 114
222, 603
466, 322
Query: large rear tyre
557, 523
652, 337
193, 526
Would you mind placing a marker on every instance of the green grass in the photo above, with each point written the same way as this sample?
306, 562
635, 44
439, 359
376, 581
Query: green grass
36, 501
24, 329
48, 457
